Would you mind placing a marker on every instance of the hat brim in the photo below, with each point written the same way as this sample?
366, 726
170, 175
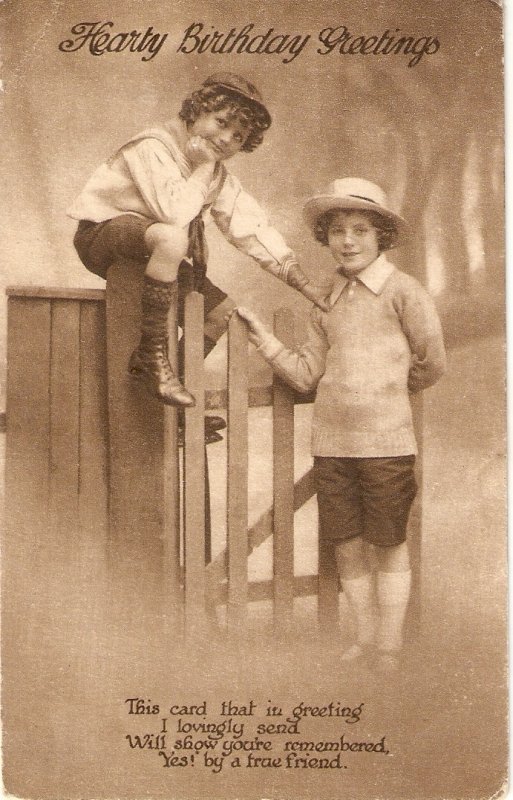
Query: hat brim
319, 205
247, 97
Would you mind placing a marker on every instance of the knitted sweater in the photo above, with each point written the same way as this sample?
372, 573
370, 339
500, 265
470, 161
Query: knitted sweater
380, 341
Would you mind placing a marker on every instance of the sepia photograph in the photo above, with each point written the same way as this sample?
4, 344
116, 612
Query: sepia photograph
253, 400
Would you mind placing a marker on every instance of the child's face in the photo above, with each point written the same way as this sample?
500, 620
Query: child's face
353, 241
226, 136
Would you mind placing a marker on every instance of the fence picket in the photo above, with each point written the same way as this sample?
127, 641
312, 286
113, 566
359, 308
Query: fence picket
237, 480
64, 425
27, 473
171, 488
194, 469
283, 485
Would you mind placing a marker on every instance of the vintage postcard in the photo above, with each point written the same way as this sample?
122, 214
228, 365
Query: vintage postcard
253, 400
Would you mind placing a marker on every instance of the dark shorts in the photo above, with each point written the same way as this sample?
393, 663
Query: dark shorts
367, 497
98, 244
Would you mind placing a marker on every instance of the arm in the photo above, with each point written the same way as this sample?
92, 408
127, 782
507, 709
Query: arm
421, 325
244, 224
170, 197
301, 369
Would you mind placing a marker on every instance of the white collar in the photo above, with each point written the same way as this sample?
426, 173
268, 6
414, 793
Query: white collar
373, 277
177, 127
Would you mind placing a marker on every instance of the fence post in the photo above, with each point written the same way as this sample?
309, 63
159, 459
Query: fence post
237, 474
142, 534
283, 485
413, 618
173, 591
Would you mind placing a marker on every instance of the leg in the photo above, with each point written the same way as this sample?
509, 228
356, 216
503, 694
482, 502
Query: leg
149, 362
167, 245
351, 559
393, 593
217, 305
98, 244
215, 320
215, 326
389, 490
341, 520
357, 583
160, 248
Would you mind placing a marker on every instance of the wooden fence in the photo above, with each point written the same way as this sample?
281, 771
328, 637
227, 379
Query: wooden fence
91, 457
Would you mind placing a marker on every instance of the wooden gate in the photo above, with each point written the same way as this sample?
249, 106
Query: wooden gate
104, 466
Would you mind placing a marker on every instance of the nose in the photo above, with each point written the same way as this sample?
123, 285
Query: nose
225, 136
347, 237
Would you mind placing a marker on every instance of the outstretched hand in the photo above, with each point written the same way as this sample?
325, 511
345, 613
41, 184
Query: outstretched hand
317, 294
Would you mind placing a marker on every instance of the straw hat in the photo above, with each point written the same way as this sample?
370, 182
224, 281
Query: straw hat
351, 194
239, 85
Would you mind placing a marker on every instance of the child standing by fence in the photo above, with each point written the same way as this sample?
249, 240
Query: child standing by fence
379, 341
149, 201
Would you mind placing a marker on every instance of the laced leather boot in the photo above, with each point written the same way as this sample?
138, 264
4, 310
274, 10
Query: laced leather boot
149, 363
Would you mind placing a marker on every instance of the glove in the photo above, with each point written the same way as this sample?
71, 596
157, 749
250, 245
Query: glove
317, 294
298, 280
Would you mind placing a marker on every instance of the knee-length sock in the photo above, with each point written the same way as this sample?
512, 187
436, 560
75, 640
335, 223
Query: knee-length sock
392, 593
360, 597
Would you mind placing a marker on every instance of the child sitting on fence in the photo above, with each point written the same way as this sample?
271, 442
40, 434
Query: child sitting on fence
149, 201
379, 341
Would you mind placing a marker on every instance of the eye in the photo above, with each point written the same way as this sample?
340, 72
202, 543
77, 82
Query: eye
361, 229
238, 137
221, 122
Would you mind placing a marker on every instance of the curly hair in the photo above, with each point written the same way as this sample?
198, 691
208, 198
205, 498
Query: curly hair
214, 98
386, 228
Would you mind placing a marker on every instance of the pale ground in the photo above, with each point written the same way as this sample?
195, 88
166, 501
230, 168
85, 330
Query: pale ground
64, 717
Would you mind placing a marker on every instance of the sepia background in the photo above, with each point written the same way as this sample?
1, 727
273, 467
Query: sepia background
432, 136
